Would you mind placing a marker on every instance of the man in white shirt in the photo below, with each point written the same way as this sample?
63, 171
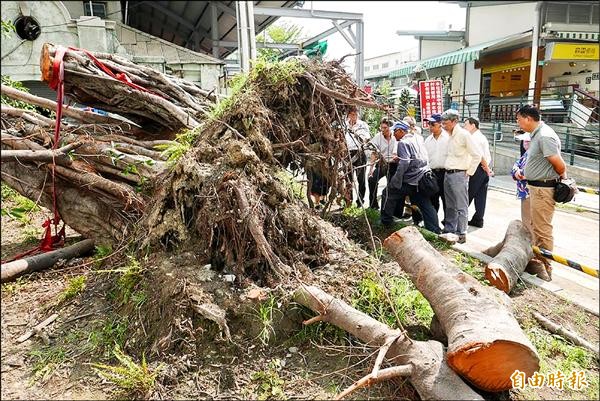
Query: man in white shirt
478, 182
461, 163
383, 162
437, 151
357, 133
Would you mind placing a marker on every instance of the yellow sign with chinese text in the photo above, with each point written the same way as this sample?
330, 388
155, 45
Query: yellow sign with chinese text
574, 51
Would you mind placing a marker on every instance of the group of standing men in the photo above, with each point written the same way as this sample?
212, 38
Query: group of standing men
452, 164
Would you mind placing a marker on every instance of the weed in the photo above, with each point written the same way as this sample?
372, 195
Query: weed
295, 189
138, 298
183, 142
558, 355
264, 314
75, 286
408, 302
270, 385
21, 207
101, 253
46, 360
129, 376
130, 277
113, 332
470, 266
14, 287
31, 234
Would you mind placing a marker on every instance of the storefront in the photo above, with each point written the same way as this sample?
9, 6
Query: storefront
567, 64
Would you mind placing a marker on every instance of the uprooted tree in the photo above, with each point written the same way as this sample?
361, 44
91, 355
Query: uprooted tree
175, 168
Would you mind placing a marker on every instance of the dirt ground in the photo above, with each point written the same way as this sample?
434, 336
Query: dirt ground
293, 363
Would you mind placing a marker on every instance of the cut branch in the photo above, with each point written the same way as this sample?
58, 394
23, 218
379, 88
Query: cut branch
568, 334
430, 375
485, 343
12, 270
512, 259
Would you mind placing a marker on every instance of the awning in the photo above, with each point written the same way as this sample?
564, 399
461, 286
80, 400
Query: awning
587, 36
456, 57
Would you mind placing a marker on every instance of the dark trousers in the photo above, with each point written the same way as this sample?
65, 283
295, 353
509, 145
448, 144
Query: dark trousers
358, 167
391, 198
478, 186
435, 198
381, 170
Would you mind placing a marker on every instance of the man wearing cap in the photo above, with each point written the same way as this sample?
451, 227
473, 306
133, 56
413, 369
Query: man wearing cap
478, 182
384, 162
412, 166
544, 167
461, 163
437, 151
357, 133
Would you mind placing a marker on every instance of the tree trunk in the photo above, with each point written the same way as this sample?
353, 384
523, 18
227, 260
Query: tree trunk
512, 259
485, 343
431, 376
12, 270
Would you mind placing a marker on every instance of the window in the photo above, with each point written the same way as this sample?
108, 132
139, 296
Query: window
572, 13
375, 67
367, 68
98, 8
385, 65
397, 62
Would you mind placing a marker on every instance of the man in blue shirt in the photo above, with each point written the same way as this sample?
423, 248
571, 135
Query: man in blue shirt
412, 166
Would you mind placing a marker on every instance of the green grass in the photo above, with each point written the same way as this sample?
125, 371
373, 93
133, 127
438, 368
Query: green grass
264, 314
296, 190
470, 266
101, 253
15, 286
557, 354
131, 275
412, 308
45, 360
31, 234
75, 286
21, 207
134, 379
183, 142
270, 384
111, 332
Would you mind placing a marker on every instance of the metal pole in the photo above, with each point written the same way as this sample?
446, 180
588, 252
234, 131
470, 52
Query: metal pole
534, 52
126, 12
91, 9
243, 49
214, 30
251, 32
360, 58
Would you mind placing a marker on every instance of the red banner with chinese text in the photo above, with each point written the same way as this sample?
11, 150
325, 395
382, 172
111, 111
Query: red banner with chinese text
430, 93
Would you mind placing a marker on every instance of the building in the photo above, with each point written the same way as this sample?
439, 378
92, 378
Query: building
95, 26
378, 69
547, 49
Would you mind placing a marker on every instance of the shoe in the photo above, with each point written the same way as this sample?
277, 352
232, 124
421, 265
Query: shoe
449, 237
462, 239
476, 223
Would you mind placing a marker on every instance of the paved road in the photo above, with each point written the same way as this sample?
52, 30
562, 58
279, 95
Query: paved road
576, 237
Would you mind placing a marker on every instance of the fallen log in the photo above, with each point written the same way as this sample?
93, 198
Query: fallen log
45, 156
430, 375
568, 334
485, 343
512, 259
11, 270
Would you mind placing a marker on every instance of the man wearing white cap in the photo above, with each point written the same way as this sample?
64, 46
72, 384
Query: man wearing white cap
462, 161
437, 151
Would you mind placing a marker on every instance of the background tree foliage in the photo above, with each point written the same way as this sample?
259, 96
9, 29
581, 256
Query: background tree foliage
278, 33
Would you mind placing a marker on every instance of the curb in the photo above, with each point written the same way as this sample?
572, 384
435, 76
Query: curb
528, 278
